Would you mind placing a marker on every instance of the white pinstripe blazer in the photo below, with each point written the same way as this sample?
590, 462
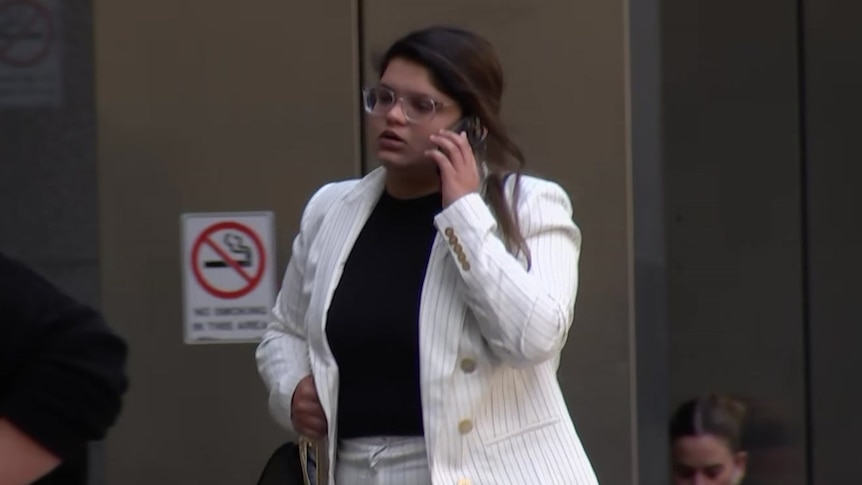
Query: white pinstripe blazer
490, 333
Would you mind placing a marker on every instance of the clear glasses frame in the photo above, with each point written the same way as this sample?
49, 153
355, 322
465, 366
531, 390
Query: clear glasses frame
417, 108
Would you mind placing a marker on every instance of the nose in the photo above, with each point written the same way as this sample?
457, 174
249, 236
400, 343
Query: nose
396, 113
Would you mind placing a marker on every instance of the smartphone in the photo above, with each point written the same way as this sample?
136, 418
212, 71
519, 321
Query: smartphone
475, 133
476, 137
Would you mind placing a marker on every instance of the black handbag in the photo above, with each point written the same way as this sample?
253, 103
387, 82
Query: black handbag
290, 465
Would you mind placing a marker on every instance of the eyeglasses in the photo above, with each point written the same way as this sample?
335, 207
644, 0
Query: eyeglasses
418, 108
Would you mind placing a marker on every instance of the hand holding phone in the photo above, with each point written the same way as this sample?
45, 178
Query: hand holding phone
456, 157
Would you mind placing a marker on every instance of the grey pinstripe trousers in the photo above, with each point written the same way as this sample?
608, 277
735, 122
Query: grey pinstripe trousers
382, 461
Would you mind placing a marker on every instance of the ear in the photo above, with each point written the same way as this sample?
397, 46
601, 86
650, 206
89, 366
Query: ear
740, 461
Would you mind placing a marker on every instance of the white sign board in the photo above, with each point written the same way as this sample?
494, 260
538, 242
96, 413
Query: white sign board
30, 67
228, 276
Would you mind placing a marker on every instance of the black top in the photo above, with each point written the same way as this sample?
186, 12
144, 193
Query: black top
61, 369
373, 320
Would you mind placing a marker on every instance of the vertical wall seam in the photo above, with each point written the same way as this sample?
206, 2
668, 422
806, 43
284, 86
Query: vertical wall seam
804, 240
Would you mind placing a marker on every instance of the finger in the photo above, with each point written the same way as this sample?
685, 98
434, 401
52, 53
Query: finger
307, 401
303, 386
309, 408
311, 431
308, 392
310, 426
317, 412
315, 424
462, 143
449, 147
305, 414
308, 416
443, 162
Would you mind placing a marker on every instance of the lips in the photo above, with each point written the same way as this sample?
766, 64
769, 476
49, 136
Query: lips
390, 135
389, 141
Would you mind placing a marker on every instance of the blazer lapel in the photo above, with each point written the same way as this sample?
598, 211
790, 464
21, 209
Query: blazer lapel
335, 239
345, 221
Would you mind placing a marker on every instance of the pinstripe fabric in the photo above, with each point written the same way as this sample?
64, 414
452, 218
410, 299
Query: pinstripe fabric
491, 333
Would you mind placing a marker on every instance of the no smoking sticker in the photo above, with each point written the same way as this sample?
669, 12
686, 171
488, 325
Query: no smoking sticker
30, 53
26, 32
228, 276
229, 260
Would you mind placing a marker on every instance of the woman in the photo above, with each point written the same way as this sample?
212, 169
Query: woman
706, 442
418, 331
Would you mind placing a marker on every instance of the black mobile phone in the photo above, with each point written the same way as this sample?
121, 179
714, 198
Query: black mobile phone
473, 129
475, 134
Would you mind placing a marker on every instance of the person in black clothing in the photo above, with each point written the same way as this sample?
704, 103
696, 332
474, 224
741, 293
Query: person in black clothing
62, 379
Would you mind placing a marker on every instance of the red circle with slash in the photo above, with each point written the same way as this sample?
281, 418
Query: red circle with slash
36, 28
205, 239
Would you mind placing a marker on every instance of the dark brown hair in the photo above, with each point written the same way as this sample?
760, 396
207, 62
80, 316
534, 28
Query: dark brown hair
717, 415
466, 67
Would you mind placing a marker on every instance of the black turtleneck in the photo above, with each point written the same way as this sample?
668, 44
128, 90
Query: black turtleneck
373, 320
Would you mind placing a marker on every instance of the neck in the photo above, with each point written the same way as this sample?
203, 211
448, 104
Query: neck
403, 184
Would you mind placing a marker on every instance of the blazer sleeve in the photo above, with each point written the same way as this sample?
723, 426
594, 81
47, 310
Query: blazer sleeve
523, 314
62, 367
282, 355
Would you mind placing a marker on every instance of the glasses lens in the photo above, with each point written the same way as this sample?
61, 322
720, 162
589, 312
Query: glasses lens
378, 100
368, 100
419, 108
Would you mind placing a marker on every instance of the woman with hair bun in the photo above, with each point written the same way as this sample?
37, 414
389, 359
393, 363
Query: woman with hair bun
707, 441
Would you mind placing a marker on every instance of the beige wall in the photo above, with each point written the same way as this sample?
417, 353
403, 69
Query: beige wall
206, 107
209, 107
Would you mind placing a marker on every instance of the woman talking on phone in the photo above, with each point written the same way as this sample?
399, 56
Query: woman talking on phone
418, 331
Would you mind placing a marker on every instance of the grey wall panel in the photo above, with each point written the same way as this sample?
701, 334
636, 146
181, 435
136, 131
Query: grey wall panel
649, 243
733, 168
833, 76
565, 104
47, 158
48, 196
207, 107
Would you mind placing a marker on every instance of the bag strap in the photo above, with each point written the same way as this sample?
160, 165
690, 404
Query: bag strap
321, 471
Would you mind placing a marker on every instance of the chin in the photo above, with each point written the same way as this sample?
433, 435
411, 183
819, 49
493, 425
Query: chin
394, 160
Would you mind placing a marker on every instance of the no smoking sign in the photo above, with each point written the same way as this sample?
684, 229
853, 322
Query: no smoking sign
228, 276
228, 259
30, 53
26, 32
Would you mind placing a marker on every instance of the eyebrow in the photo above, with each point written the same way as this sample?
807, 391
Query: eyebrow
407, 91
